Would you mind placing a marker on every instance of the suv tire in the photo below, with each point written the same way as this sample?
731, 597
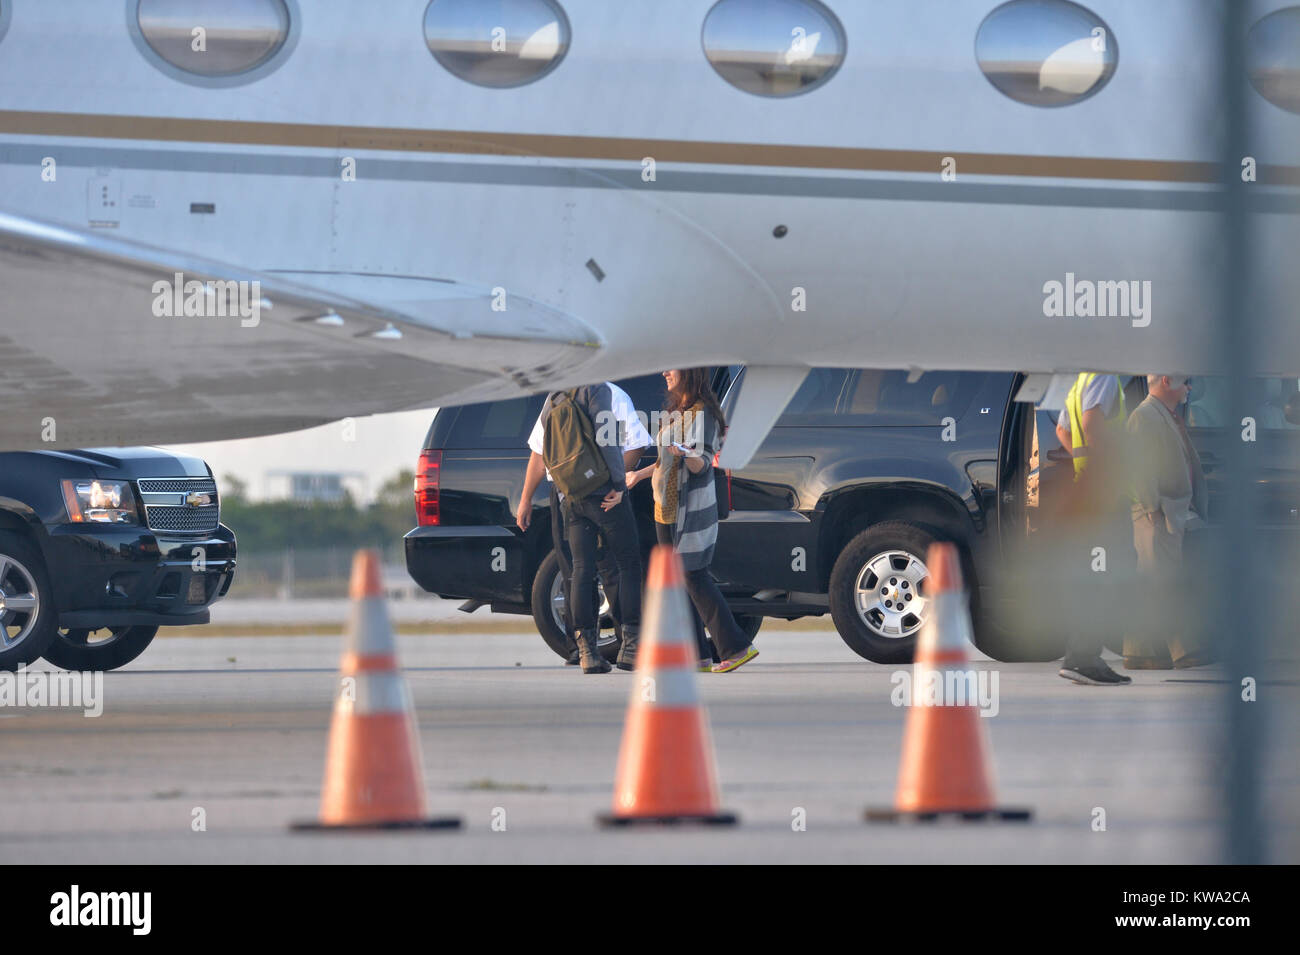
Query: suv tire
74, 650
749, 624
863, 569
23, 578
546, 612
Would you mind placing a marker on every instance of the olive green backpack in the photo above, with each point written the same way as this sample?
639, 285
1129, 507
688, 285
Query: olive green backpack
569, 448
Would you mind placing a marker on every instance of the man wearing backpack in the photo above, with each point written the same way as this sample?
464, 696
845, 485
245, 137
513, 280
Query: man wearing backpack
572, 443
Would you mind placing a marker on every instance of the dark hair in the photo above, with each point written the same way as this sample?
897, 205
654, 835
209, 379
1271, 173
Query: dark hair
694, 386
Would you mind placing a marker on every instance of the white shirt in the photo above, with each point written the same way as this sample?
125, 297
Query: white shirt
634, 433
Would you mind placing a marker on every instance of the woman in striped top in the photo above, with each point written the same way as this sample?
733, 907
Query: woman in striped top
686, 508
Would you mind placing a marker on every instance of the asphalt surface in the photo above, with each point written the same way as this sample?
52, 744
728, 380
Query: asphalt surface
236, 726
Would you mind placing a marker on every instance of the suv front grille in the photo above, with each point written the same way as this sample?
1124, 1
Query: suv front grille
183, 485
166, 507
167, 518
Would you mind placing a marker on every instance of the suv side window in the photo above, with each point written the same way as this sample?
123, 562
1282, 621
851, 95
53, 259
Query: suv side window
865, 397
507, 423
817, 399
649, 391
882, 398
1268, 401
646, 392
732, 391
496, 424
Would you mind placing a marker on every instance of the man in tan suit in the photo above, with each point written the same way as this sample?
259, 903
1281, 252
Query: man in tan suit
1169, 496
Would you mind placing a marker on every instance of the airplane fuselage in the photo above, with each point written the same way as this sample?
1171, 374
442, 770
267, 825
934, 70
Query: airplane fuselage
905, 213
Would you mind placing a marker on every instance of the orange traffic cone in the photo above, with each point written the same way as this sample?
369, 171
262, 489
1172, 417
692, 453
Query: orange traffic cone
373, 773
666, 772
946, 769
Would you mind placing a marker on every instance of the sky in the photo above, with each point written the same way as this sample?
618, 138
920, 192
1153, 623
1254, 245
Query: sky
381, 446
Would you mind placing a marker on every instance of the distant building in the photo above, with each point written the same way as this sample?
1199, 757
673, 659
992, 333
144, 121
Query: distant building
378, 447
317, 485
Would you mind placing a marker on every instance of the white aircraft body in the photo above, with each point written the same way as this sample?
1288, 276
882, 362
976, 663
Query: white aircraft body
419, 238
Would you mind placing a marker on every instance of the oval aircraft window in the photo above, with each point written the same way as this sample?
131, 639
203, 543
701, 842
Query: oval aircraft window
1273, 55
497, 43
773, 47
214, 37
1046, 52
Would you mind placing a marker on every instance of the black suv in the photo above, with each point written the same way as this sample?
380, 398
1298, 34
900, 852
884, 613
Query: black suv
470, 476
99, 548
835, 512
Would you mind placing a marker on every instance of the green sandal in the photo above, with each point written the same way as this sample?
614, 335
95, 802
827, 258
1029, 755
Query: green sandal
737, 661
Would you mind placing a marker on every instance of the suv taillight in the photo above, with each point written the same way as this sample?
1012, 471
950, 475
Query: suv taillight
427, 486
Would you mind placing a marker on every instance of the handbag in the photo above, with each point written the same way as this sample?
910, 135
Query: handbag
722, 488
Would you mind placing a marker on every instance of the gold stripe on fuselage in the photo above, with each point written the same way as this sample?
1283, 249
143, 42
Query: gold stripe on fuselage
310, 135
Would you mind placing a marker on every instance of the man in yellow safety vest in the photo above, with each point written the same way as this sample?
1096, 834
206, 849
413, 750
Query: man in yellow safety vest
1091, 428
1093, 418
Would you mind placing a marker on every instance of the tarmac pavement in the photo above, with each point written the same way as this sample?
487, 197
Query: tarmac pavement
236, 727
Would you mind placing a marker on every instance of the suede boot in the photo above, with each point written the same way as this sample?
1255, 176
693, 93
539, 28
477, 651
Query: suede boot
627, 651
589, 655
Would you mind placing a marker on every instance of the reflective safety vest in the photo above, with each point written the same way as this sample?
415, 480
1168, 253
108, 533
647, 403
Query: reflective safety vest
1074, 405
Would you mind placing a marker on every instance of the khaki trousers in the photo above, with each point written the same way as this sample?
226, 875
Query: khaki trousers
1162, 623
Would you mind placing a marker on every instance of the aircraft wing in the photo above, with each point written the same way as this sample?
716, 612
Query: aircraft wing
93, 352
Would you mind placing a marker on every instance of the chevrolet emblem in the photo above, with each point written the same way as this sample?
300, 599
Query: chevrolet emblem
197, 499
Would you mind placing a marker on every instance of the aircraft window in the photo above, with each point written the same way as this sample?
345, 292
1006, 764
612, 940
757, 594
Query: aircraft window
773, 47
497, 43
1273, 51
1046, 52
214, 38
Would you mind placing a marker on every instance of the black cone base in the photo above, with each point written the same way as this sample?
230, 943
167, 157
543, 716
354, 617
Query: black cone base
945, 815
444, 822
611, 821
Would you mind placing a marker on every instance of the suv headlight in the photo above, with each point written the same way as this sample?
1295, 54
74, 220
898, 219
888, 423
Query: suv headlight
99, 502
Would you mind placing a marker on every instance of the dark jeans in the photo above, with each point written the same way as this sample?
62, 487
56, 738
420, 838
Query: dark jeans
1093, 607
585, 522
605, 565
709, 609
